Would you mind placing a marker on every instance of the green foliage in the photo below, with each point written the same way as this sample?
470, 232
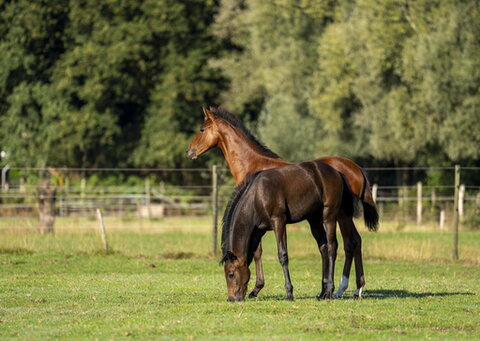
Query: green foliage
99, 83
390, 80
88, 83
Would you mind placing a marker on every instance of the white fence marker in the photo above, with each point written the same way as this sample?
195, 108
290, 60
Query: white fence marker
102, 229
419, 203
442, 219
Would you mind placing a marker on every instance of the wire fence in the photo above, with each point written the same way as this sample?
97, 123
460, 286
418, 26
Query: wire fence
403, 194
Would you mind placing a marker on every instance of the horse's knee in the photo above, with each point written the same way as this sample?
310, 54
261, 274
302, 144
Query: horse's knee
332, 247
283, 258
323, 249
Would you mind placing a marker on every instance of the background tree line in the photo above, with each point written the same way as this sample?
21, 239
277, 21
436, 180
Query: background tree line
121, 83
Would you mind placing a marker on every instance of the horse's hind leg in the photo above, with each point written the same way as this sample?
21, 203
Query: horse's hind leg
332, 245
281, 236
357, 251
260, 279
318, 232
346, 228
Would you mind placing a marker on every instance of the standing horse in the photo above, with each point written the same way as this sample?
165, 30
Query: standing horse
245, 155
273, 198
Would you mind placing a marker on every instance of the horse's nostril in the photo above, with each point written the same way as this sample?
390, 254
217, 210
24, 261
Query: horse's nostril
191, 153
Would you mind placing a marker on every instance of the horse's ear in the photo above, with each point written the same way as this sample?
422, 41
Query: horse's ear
231, 256
228, 256
208, 114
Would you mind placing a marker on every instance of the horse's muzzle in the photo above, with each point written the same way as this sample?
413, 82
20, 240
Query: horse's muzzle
191, 154
237, 298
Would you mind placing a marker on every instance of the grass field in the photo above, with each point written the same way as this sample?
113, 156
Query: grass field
161, 282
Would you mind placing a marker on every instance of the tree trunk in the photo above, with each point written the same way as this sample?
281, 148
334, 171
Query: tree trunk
46, 206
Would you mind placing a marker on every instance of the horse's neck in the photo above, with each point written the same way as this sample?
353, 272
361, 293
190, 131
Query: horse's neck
242, 156
242, 232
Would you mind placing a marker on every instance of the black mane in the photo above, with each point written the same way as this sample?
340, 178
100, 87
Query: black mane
228, 214
234, 121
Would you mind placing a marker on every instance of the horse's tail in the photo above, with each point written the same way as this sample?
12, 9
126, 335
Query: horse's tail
348, 199
370, 212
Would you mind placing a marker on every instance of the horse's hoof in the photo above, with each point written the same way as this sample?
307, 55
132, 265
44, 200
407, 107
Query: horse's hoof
325, 296
328, 296
290, 298
320, 295
357, 297
252, 295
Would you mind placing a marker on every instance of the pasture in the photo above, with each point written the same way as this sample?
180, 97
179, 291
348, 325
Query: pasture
160, 281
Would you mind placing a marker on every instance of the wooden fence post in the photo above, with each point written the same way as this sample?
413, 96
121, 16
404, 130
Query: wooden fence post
215, 207
455, 212
103, 233
419, 203
83, 185
147, 197
46, 196
4, 178
433, 200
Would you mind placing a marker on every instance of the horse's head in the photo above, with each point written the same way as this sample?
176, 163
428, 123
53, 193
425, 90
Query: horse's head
206, 138
237, 275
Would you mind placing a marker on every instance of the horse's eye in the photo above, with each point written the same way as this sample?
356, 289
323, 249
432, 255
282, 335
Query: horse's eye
231, 276
202, 130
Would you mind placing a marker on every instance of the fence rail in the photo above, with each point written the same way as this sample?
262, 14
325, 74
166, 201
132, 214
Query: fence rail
157, 197
414, 194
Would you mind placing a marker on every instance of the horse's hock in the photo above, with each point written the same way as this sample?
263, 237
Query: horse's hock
46, 194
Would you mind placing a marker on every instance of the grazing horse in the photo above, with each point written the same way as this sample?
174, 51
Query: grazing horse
273, 198
245, 155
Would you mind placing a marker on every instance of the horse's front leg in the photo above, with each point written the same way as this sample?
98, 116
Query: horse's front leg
260, 279
281, 237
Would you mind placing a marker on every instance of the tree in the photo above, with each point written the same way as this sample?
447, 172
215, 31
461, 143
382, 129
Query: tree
98, 83
271, 66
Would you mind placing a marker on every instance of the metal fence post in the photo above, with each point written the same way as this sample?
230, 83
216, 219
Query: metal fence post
214, 207
455, 212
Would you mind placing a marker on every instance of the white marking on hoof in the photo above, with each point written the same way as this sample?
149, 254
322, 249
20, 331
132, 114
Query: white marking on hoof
342, 287
358, 293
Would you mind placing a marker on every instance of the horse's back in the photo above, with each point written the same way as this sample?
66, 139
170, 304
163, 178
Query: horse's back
298, 189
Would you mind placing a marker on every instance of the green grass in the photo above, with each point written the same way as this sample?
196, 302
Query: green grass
162, 283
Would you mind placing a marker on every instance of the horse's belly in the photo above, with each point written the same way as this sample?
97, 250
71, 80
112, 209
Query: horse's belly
303, 209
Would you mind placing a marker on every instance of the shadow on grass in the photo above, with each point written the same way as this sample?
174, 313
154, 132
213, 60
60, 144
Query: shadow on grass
15, 251
374, 294
382, 294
